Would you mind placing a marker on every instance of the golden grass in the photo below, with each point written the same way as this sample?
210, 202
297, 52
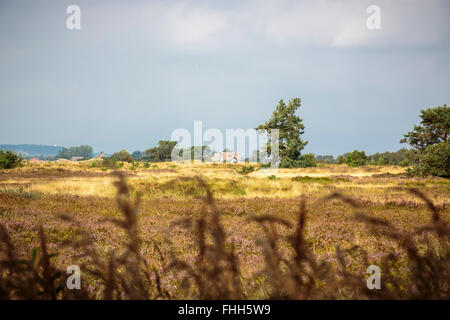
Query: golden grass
183, 243
371, 184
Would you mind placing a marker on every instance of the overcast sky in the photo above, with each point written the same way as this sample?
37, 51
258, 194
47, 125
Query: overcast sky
138, 70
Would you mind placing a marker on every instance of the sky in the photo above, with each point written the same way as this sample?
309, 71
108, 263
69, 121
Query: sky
138, 70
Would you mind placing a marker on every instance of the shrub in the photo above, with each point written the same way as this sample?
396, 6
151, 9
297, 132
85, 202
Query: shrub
137, 155
435, 160
307, 160
246, 170
109, 163
122, 155
81, 151
404, 163
308, 179
341, 159
24, 192
134, 166
96, 164
394, 158
356, 159
9, 160
430, 140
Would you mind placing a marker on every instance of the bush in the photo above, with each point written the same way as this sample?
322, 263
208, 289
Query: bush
308, 179
341, 159
9, 160
356, 159
307, 160
394, 158
82, 151
122, 155
404, 163
435, 160
105, 164
246, 170
430, 140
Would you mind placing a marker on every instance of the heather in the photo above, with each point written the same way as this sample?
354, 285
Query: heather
205, 231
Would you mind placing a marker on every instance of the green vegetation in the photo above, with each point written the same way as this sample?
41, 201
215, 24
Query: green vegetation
307, 161
434, 160
290, 128
433, 129
202, 153
163, 152
430, 139
356, 159
136, 155
246, 170
9, 160
402, 157
122, 155
325, 159
308, 179
82, 151
32, 150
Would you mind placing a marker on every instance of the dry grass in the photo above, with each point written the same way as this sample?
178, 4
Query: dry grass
257, 238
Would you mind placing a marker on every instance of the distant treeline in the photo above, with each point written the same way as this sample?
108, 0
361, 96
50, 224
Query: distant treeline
402, 157
164, 151
85, 152
32, 150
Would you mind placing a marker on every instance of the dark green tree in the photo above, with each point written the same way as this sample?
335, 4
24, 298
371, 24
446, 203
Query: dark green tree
307, 160
341, 159
122, 155
356, 159
434, 128
163, 152
399, 157
81, 151
431, 141
435, 161
290, 128
136, 155
9, 159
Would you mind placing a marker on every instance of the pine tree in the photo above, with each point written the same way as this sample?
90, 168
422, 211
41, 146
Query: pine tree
290, 128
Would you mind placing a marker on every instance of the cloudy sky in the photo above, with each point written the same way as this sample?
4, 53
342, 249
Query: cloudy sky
138, 70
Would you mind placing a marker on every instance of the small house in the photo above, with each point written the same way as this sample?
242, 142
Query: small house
101, 155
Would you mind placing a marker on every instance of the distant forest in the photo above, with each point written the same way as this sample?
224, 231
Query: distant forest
44, 152
32, 150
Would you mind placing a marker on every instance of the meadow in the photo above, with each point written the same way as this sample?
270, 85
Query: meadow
211, 231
